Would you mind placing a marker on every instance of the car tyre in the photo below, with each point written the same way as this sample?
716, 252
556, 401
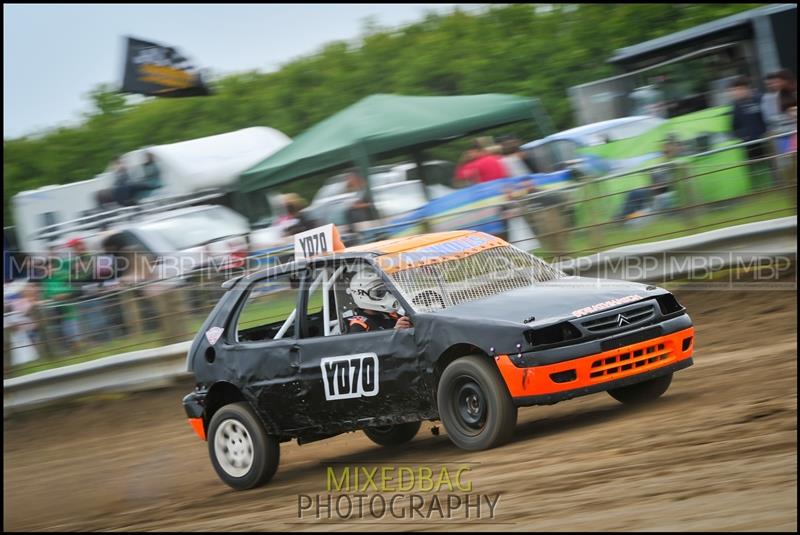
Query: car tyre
242, 453
393, 435
474, 404
643, 392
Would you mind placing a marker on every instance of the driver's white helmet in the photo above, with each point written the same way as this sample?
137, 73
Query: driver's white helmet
370, 293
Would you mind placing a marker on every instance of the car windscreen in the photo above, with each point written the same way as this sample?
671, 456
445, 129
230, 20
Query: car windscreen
435, 285
197, 228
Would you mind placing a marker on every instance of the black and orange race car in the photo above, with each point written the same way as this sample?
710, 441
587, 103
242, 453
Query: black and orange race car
460, 327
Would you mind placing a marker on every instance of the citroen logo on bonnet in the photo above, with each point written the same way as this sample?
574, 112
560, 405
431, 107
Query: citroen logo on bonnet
622, 320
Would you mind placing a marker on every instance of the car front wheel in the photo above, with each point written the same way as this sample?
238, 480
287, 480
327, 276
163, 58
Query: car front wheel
242, 453
474, 404
642, 392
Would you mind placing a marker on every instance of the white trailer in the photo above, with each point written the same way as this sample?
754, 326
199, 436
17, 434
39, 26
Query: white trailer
208, 162
50, 205
187, 167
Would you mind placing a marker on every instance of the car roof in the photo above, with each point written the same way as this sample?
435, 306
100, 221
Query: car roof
409, 243
393, 249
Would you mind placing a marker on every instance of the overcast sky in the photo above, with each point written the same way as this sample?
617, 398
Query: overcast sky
53, 55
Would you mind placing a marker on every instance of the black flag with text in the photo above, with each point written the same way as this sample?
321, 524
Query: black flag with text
162, 71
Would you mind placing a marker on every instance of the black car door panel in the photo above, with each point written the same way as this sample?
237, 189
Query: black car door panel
356, 378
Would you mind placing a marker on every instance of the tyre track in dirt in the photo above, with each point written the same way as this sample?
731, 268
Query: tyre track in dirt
717, 452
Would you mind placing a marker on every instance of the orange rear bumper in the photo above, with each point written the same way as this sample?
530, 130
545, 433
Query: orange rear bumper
593, 370
197, 425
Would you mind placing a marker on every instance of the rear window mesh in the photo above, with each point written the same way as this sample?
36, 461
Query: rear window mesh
436, 286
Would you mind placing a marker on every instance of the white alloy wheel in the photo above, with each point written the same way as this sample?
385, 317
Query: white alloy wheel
233, 447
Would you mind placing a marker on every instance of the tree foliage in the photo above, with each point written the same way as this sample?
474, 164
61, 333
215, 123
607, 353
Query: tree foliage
518, 49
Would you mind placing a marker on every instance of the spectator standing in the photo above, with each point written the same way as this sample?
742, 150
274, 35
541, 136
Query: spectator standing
513, 158
126, 191
659, 194
748, 125
152, 175
781, 96
781, 91
299, 222
21, 325
86, 276
479, 165
791, 169
28, 306
21, 344
791, 111
122, 192
361, 209
140, 284
57, 287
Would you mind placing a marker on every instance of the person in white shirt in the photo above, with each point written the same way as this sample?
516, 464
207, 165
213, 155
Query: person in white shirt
779, 83
512, 158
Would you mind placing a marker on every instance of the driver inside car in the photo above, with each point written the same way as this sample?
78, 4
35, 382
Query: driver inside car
376, 308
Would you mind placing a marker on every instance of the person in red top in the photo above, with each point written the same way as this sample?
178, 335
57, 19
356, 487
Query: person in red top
479, 165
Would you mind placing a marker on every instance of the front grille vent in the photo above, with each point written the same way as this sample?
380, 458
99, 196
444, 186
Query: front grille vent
616, 321
641, 359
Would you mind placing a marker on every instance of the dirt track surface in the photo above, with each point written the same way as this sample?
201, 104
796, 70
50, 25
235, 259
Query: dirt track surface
717, 452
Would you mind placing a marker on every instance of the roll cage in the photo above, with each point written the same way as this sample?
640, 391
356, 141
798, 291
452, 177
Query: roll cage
335, 304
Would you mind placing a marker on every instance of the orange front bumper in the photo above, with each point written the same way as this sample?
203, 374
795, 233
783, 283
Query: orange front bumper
593, 370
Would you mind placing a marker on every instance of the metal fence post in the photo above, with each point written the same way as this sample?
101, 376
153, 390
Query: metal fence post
6, 349
39, 317
131, 314
687, 184
592, 190
170, 307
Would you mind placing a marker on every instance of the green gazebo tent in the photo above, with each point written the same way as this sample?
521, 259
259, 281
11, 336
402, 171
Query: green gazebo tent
382, 126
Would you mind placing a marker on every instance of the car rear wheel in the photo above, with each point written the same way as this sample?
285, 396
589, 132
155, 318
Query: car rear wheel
474, 404
242, 453
642, 392
393, 435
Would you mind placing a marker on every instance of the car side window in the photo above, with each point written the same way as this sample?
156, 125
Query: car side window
268, 312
